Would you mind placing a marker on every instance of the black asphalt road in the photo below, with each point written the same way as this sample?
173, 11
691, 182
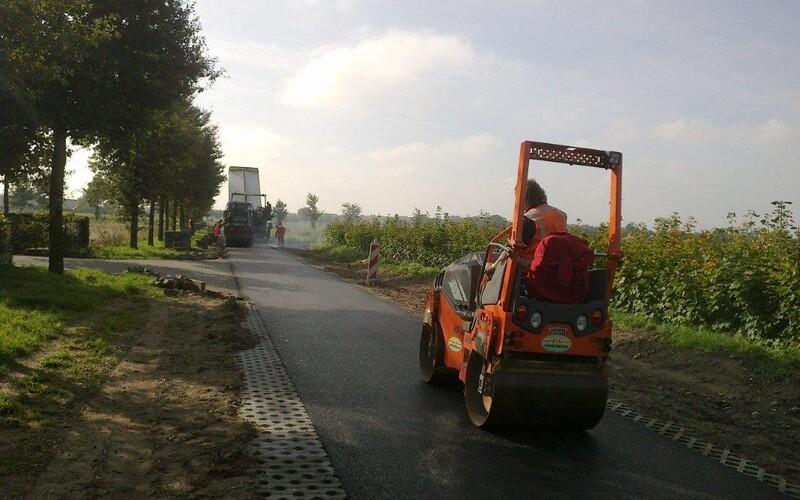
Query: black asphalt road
353, 359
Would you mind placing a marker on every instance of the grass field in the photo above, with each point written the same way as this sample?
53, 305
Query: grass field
109, 239
67, 320
35, 304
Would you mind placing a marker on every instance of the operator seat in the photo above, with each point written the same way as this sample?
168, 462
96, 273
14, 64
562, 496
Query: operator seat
559, 271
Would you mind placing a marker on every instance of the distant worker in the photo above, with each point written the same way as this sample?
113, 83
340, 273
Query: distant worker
540, 220
280, 231
217, 229
191, 226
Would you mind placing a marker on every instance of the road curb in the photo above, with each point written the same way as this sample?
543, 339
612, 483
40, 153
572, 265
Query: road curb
295, 463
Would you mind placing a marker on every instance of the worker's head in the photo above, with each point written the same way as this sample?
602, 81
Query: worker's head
534, 194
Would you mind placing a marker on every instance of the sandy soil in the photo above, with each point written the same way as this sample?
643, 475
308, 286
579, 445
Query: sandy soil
163, 424
724, 400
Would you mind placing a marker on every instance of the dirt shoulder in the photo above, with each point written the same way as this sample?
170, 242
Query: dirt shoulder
160, 419
723, 400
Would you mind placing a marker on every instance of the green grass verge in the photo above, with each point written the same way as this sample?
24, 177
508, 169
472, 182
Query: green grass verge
405, 270
774, 358
410, 270
35, 304
144, 251
126, 252
336, 254
75, 367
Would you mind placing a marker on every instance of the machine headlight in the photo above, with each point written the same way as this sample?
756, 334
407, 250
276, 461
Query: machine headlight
536, 319
582, 322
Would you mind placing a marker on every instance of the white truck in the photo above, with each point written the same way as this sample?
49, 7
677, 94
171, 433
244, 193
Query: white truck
247, 214
244, 185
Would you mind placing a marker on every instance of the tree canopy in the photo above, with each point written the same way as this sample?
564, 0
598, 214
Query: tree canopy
279, 212
174, 155
351, 211
311, 211
95, 71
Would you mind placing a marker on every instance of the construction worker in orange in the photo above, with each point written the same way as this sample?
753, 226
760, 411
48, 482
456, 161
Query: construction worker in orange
217, 229
540, 220
280, 231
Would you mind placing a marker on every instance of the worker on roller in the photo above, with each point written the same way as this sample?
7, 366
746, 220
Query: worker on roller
540, 220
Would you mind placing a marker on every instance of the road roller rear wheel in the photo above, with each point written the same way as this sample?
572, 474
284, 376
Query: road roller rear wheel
479, 406
431, 354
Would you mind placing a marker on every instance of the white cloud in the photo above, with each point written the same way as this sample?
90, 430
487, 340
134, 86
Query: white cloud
342, 5
773, 130
460, 175
376, 68
468, 155
247, 53
252, 146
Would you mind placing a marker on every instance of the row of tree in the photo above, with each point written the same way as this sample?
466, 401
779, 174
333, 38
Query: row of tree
115, 75
171, 163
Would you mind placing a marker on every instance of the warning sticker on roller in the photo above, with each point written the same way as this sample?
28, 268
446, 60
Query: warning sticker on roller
454, 344
556, 343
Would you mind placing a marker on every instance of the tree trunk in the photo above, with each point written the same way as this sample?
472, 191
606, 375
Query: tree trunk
56, 202
174, 214
6, 206
152, 222
183, 218
161, 218
133, 206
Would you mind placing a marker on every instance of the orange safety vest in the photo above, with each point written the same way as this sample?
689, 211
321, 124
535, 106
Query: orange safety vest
548, 220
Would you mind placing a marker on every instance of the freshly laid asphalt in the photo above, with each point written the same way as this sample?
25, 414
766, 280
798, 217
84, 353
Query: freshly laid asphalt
353, 361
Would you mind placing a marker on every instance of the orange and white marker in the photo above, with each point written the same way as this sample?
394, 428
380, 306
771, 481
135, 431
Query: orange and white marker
374, 257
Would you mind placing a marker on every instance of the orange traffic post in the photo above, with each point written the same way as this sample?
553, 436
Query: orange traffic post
372, 266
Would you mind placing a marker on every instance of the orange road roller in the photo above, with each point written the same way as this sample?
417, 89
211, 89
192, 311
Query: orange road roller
528, 355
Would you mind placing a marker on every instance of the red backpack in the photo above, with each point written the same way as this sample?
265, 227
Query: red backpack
559, 271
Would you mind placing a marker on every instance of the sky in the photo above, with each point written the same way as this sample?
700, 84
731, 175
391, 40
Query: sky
419, 104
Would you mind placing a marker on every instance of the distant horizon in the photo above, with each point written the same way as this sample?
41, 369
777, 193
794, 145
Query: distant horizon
649, 224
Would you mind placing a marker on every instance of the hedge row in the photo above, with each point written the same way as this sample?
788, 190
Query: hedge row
431, 242
31, 231
743, 278
5, 243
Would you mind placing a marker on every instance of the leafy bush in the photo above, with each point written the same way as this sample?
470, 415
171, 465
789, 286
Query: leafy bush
431, 242
31, 231
5, 243
743, 278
